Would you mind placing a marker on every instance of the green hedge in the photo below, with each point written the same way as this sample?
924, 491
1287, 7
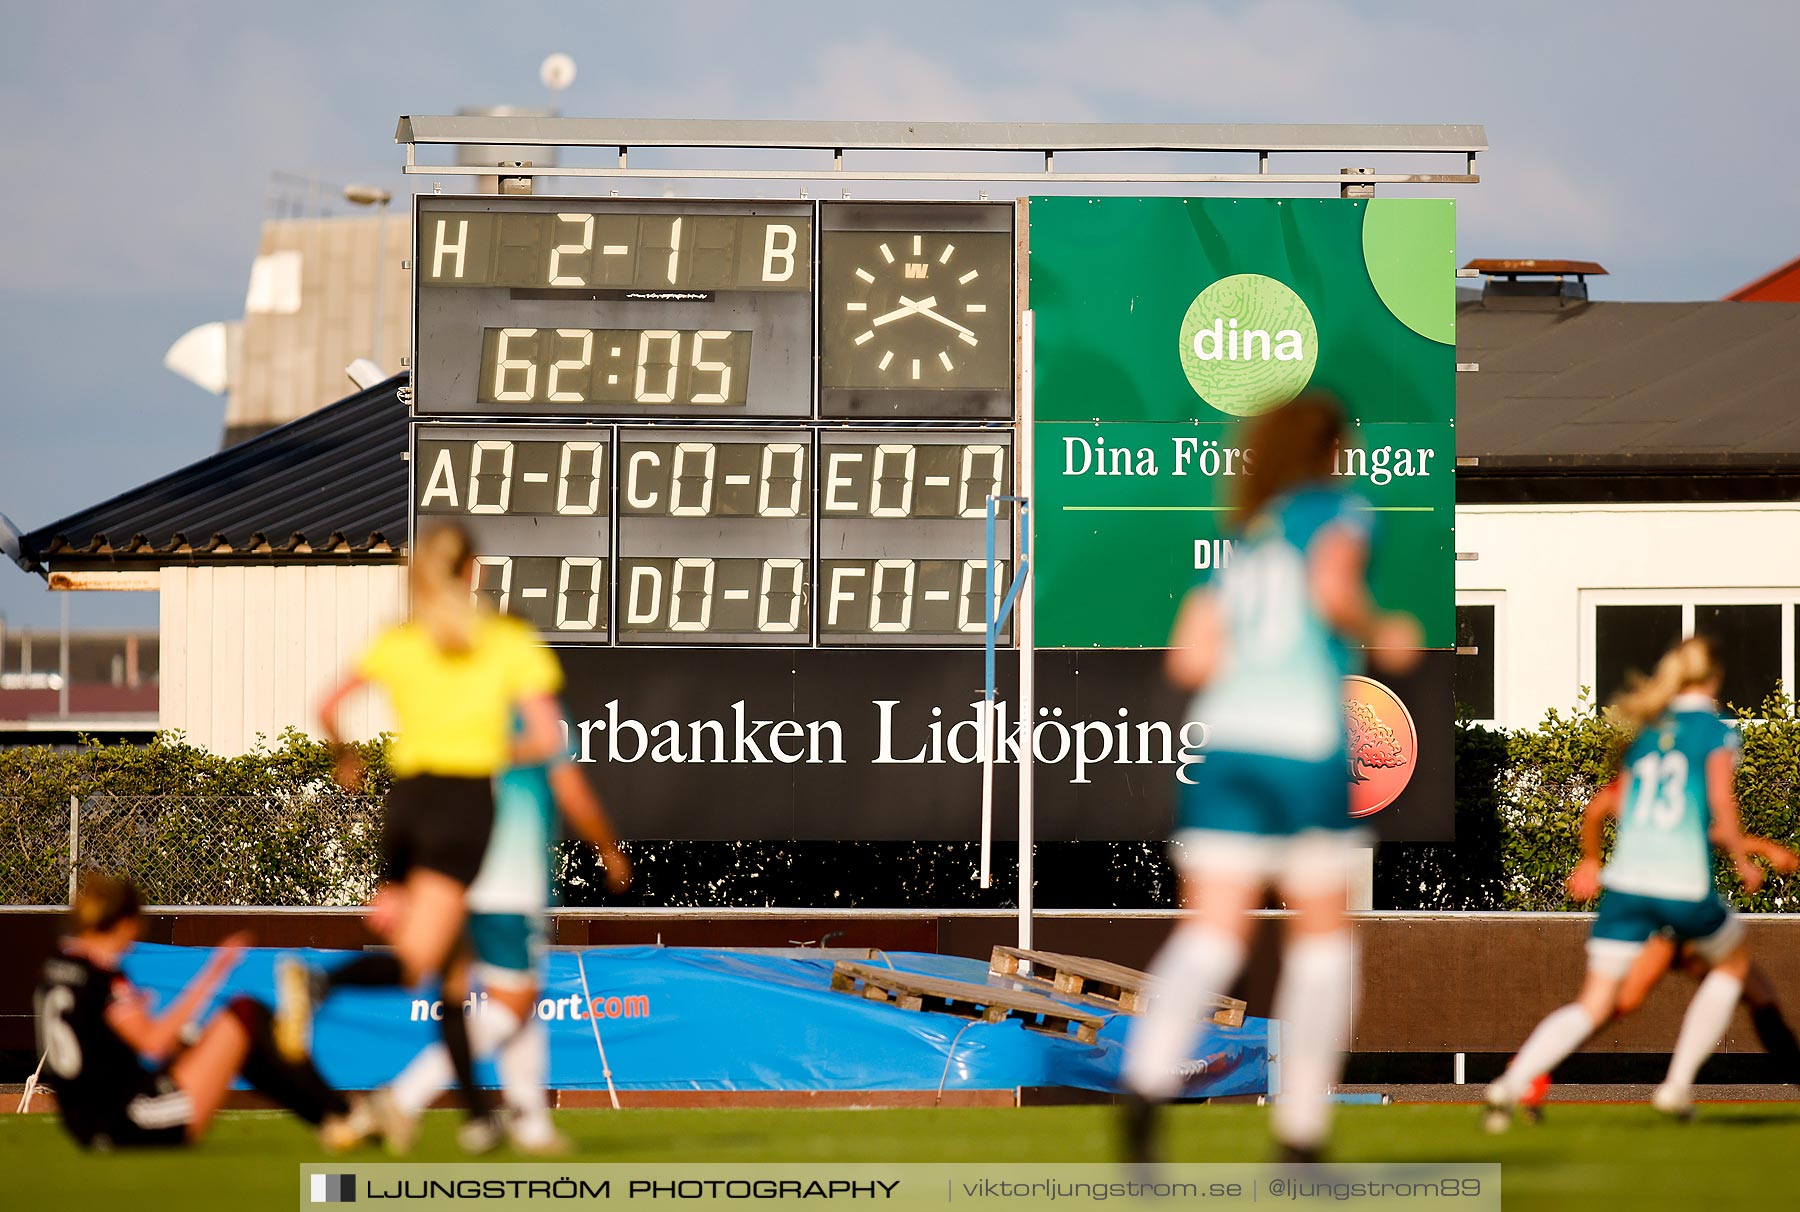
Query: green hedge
1551, 770
265, 828
269, 828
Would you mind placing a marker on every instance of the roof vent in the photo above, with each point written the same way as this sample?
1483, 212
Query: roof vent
1562, 281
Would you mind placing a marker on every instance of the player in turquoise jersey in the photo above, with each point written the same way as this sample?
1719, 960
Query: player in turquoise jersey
1674, 801
1266, 645
505, 939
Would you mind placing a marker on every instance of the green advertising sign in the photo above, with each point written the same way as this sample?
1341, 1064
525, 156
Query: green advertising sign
1163, 322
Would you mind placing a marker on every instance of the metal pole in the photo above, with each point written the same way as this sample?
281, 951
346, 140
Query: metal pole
74, 845
986, 872
1027, 708
63, 694
380, 269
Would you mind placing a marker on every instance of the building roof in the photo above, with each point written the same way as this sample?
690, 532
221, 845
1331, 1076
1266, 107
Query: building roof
327, 486
310, 309
1781, 285
1636, 387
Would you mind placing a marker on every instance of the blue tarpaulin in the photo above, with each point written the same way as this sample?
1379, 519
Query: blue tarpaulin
699, 1019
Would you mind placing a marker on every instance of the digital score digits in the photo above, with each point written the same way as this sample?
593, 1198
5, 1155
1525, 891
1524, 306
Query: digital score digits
570, 246
538, 506
563, 307
625, 403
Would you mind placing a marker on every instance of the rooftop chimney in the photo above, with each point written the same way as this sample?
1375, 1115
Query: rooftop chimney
1562, 282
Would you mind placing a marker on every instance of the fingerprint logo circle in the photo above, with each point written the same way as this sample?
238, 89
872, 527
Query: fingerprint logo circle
1248, 344
1383, 744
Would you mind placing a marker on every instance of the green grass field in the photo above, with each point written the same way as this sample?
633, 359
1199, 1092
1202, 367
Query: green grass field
1584, 1155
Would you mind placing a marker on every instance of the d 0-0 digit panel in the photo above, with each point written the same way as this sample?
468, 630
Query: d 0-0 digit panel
715, 536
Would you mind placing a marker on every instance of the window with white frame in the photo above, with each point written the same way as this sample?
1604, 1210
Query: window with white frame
1477, 687
1627, 631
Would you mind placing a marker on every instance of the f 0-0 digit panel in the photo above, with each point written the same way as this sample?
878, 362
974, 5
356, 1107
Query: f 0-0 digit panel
903, 534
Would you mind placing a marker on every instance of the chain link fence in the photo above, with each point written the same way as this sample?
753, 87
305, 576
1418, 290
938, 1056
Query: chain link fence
34, 852
316, 848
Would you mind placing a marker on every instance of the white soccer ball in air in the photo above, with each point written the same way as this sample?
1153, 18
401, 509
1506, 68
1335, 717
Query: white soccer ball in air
557, 72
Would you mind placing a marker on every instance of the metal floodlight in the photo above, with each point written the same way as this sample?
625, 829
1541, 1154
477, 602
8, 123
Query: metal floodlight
367, 195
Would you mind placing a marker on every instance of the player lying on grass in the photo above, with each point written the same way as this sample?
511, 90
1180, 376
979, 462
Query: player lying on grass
1672, 796
124, 1075
505, 935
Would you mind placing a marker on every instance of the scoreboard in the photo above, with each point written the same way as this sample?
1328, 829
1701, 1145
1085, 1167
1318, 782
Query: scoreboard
709, 423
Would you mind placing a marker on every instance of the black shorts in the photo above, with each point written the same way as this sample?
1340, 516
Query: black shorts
154, 1115
437, 823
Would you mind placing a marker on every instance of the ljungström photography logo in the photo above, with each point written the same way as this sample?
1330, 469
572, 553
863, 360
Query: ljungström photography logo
333, 1188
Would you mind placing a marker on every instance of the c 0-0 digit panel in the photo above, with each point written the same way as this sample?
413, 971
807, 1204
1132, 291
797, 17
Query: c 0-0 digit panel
715, 536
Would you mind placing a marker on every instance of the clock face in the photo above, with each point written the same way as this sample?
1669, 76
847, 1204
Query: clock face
916, 310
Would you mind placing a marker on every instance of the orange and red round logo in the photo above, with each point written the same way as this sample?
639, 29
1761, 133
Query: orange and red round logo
1384, 745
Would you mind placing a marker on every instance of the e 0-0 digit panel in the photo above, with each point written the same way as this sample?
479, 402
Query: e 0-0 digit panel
903, 534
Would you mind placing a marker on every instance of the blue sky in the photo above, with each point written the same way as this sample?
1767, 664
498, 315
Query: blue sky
1651, 136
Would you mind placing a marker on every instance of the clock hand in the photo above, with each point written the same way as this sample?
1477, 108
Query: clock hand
925, 309
907, 307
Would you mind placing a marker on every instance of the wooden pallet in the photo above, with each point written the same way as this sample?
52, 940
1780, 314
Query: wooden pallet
1113, 986
911, 991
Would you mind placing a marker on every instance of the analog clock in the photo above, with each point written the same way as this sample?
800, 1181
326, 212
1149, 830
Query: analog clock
915, 320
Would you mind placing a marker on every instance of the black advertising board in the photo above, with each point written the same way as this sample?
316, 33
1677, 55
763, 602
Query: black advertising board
869, 744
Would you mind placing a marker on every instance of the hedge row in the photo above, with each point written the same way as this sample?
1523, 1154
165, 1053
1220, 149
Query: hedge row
195, 827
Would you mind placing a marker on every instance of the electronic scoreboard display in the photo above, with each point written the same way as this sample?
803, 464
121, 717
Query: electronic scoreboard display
584, 307
696, 423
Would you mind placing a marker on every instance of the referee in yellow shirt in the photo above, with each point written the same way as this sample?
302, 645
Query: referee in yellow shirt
455, 675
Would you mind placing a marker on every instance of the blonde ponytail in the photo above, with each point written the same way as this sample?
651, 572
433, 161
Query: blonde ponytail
441, 599
1689, 664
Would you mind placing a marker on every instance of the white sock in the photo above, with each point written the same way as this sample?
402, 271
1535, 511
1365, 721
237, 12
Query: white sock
489, 1030
1549, 1044
431, 1070
1704, 1024
419, 1083
522, 1062
1194, 962
1315, 1005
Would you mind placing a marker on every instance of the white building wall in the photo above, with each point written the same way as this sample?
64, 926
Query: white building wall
249, 651
1545, 567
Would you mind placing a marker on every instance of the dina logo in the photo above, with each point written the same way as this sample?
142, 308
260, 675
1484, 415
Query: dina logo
333, 1188
1382, 745
1248, 344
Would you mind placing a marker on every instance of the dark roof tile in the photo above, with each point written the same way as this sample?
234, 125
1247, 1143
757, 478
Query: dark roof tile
333, 481
1628, 385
